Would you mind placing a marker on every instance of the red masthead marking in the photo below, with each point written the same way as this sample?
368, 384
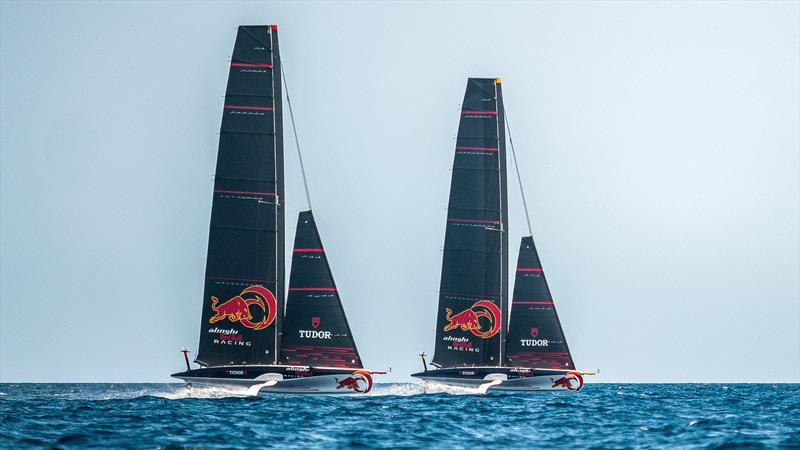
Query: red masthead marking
488, 149
222, 191
530, 269
263, 66
492, 222
494, 113
254, 108
309, 250
312, 289
240, 279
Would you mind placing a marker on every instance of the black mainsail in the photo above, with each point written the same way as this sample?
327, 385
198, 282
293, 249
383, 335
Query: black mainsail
535, 336
315, 331
471, 323
243, 298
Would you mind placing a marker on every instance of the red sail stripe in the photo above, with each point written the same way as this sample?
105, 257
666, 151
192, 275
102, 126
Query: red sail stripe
494, 113
474, 294
531, 269
532, 303
492, 222
488, 149
254, 108
309, 250
540, 353
241, 279
263, 66
312, 289
311, 347
222, 191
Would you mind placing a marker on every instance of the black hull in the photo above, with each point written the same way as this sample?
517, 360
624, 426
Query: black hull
282, 379
505, 378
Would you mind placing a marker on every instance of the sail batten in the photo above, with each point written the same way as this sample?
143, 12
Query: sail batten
242, 300
315, 331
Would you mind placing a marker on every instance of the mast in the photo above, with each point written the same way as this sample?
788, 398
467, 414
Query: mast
243, 295
501, 139
277, 71
316, 332
470, 311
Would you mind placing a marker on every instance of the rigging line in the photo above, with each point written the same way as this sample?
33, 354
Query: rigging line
296, 141
516, 167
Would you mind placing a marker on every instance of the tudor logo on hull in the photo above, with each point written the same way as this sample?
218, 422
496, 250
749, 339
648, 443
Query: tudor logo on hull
481, 319
237, 309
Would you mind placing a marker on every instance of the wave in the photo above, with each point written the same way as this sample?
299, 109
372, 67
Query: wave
424, 388
204, 392
378, 390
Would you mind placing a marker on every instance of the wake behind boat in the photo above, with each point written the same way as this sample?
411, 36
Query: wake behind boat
247, 337
475, 346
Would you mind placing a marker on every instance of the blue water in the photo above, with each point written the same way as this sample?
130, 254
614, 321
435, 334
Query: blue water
401, 415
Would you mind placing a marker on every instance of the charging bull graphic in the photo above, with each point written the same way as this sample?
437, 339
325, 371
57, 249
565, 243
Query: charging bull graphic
567, 380
470, 319
355, 382
237, 309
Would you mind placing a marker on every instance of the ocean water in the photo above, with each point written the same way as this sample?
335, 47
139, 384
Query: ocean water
401, 416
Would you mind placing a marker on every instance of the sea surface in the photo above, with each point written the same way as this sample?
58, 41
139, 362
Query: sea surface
401, 416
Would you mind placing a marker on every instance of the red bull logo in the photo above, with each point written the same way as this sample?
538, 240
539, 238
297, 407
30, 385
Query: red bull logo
360, 381
572, 381
237, 309
482, 319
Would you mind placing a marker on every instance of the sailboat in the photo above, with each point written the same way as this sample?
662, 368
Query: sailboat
475, 345
247, 337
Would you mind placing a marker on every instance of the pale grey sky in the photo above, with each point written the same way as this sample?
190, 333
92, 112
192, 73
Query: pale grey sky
658, 142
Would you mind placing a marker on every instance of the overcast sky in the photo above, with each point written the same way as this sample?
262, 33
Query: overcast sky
658, 145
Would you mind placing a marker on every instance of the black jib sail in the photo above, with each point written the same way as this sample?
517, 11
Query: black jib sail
535, 337
243, 298
315, 331
470, 327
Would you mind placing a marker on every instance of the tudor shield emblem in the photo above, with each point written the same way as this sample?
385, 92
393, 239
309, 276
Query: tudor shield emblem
315, 322
534, 332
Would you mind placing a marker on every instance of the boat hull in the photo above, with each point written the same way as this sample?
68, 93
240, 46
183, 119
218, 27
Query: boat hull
505, 378
281, 379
